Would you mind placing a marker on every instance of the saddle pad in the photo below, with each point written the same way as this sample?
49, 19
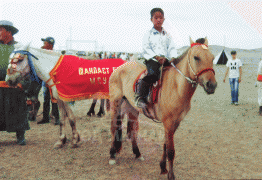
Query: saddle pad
77, 78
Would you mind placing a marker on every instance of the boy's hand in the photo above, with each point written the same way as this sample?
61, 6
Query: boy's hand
224, 80
161, 60
239, 80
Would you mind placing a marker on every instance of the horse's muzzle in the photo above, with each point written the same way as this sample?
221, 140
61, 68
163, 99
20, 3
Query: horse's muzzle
210, 87
13, 79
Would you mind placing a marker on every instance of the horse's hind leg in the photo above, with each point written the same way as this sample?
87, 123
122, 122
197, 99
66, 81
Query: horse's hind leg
92, 108
102, 109
72, 122
62, 139
132, 128
116, 129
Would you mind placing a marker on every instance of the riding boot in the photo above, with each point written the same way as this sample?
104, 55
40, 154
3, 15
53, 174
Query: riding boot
260, 110
20, 135
142, 93
55, 112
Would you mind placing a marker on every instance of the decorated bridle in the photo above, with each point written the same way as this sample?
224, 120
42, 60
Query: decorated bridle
33, 75
197, 75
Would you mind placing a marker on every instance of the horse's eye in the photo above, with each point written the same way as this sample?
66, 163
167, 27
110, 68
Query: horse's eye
196, 58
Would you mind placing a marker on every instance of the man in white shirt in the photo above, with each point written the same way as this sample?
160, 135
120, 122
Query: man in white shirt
235, 73
157, 47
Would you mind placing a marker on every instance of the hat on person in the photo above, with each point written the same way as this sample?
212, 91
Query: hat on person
50, 40
9, 26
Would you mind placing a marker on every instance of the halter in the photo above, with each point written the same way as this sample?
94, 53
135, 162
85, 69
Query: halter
33, 75
194, 82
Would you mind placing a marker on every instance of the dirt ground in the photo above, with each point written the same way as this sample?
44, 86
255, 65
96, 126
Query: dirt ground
216, 140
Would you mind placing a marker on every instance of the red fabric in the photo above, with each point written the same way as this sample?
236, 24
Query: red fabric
194, 44
77, 78
259, 78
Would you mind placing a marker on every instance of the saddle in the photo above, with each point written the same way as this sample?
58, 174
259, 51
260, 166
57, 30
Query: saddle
153, 96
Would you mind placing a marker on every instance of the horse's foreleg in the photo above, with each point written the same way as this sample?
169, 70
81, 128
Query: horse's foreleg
116, 130
62, 138
163, 161
92, 108
102, 109
170, 150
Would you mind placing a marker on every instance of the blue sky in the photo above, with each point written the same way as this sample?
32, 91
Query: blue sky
120, 25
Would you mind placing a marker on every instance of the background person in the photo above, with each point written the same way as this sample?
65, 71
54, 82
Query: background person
259, 84
13, 108
235, 73
48, 45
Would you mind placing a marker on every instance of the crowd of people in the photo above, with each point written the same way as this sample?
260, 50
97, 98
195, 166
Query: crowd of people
154, 56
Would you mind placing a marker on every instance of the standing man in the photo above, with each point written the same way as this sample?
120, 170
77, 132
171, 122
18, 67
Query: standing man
259, 84
48, 45
235, 73
13, 108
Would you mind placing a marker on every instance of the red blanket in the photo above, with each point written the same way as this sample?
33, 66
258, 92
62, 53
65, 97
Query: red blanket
78, 78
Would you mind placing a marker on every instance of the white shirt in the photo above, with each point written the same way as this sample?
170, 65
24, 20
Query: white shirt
157, 44
259, 71
233, 66
123, 56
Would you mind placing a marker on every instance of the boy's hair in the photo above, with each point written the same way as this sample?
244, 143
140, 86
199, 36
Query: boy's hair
233, 52
154, 10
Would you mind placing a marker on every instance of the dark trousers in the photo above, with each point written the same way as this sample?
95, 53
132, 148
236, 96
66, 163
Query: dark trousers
153, 69
46, 110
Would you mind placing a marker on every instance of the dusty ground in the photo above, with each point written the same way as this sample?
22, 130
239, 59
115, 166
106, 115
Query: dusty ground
215, 141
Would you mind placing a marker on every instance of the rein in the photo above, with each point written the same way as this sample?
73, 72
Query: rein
194, 82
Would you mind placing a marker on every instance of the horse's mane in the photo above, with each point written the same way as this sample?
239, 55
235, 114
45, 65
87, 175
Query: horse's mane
179, 58
47, 52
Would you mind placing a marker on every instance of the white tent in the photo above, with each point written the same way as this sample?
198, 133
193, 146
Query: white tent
221, 58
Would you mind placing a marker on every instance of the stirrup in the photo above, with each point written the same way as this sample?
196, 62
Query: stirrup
139, 103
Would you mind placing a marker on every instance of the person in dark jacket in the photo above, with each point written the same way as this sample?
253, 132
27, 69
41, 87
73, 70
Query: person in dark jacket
13, 108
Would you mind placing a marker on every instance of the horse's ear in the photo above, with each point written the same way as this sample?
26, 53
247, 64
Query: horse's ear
206, 41
191, 41
27, 46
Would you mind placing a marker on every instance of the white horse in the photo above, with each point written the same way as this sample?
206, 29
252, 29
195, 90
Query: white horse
46, 61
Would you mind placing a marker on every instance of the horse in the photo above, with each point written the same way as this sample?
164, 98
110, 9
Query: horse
43, 61
178, 83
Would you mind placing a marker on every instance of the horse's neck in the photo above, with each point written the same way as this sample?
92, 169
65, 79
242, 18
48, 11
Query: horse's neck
44, 64
176, 84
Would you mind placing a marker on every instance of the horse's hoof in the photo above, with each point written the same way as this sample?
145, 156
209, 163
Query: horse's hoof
58, 145
90, 114
74, 145
164, 171
100, 114
141, 158
112, 161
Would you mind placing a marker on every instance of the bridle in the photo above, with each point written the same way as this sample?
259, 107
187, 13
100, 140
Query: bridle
33, 75
196, 75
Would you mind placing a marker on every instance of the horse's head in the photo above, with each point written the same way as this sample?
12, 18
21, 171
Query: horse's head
201, 64
18, 69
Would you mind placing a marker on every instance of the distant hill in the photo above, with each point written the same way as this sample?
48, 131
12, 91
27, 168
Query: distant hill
247, 56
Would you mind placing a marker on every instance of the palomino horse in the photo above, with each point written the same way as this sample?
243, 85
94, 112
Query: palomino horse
45, 63
179, 80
